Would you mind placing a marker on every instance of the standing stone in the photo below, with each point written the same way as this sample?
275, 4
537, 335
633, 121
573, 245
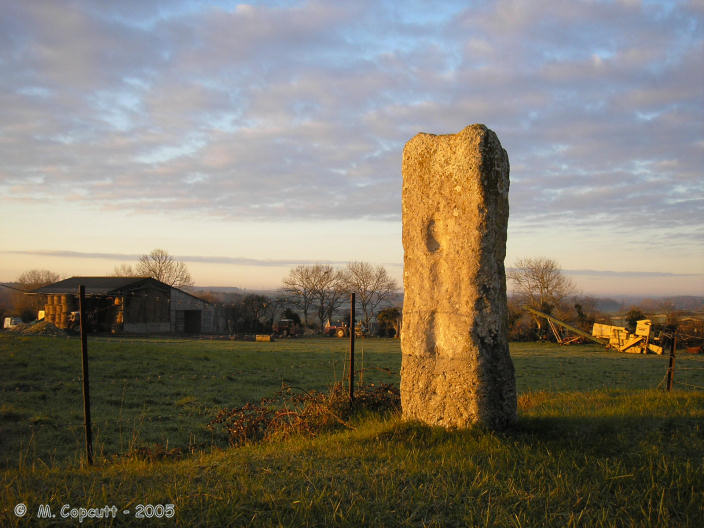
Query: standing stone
456, 368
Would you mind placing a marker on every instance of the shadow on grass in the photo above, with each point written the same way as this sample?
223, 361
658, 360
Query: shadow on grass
615, 424
611, 436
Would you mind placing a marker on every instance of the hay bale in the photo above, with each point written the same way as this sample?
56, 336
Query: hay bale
67, 302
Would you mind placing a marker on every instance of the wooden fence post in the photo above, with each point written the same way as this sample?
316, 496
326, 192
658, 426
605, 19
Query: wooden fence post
84, 361
671, 367
352, 332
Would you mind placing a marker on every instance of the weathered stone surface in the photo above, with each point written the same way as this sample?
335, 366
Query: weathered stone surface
456, 368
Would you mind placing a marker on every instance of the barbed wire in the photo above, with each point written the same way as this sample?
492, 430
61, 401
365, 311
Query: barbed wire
690, 385
690, 336
665, 356
166, 377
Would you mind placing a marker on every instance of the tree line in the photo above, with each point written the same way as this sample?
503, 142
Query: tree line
321, 289
319, 292
313, 295
541, 284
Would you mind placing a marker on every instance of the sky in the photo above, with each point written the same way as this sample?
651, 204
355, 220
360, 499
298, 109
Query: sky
246, 139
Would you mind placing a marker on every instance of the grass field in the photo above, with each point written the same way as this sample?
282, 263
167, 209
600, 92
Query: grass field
152, 391
596, 445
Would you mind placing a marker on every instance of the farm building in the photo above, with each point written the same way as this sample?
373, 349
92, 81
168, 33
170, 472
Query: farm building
139, 305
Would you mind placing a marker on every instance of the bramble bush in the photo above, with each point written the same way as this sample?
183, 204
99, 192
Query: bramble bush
296, 411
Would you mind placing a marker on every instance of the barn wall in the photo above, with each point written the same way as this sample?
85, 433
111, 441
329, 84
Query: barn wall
183, 302
146, 306
145, 311
147, 328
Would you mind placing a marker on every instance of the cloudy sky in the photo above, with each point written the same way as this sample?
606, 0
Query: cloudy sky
245, 139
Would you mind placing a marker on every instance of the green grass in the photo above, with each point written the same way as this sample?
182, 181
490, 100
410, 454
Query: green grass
598, 459
595, 445
164, 391
147, 392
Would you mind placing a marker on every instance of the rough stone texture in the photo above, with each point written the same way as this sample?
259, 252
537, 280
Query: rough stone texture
456, 368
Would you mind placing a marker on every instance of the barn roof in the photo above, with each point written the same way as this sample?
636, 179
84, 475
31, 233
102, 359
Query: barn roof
100, 285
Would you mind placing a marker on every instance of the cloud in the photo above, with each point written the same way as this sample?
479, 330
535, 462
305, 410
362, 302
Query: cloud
631, 274
301, 110
245, 261
204, 259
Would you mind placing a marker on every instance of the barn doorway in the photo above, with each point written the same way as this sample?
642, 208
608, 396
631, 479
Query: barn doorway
188, 321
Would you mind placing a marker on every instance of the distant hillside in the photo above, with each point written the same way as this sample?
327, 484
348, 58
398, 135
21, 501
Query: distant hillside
227, 294
607, 305
687, 303
218, 289
621, 304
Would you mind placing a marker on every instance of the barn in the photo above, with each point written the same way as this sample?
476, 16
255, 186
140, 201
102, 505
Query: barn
136, 305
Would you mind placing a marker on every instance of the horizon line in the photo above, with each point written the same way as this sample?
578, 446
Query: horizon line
249, 261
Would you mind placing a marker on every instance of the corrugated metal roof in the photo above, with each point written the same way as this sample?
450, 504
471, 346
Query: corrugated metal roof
100, 285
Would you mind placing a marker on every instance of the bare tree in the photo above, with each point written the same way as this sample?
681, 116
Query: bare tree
298, 288
163, 267
33, 279
672, 315
318, 286
540, 284
329, 290
372, 284
124, 270
258, 311
26, 306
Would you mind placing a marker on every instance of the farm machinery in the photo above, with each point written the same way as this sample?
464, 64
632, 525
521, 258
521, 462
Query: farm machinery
641, 342
286, 328
615, 337
342, 329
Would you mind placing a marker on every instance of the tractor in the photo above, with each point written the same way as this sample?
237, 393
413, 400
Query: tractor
336, 328
286, 328
342, 329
